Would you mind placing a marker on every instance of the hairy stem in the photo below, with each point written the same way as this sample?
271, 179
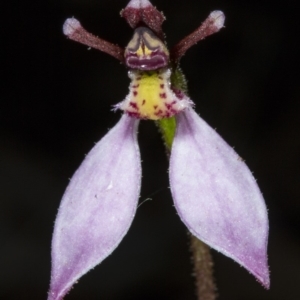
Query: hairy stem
203, 270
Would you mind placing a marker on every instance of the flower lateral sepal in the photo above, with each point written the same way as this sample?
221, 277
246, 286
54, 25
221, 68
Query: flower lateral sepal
216, 195
97, 208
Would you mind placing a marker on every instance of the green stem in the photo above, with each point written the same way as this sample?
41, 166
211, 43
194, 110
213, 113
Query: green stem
201, 257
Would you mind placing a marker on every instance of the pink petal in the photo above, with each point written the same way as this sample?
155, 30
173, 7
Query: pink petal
216, 195
97, 207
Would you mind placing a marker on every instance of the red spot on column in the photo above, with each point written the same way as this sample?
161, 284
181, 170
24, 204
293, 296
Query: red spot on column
134, 114
144, 101
162, 86
135, 93
163, 95
133, 104
178, 93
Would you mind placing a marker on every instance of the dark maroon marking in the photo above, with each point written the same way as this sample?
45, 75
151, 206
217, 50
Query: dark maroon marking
135, 93
133, 104
147, 15
139, 78
154, 52
133, 114
162, 86
160, 77
168, 105
144, 101
155, 106
166, 114
178, 93
153, 63
163, 95
135, 86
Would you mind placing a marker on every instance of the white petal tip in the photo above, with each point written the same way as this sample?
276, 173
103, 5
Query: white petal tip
218, 17
139, 4
145, 3
70, 26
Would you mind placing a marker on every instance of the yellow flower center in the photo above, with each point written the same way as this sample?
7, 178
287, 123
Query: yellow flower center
150, 96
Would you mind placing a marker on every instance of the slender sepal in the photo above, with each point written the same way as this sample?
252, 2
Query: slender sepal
74, 31
213, 23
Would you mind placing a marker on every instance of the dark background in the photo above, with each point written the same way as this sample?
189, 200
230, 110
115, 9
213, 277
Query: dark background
55, 104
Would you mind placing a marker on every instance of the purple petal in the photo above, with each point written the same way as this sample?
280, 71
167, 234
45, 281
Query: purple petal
97, 207
216, 195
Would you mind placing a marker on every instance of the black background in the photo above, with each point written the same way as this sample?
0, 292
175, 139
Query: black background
55, 104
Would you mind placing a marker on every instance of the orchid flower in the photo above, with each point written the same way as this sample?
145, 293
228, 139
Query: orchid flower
214, 192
